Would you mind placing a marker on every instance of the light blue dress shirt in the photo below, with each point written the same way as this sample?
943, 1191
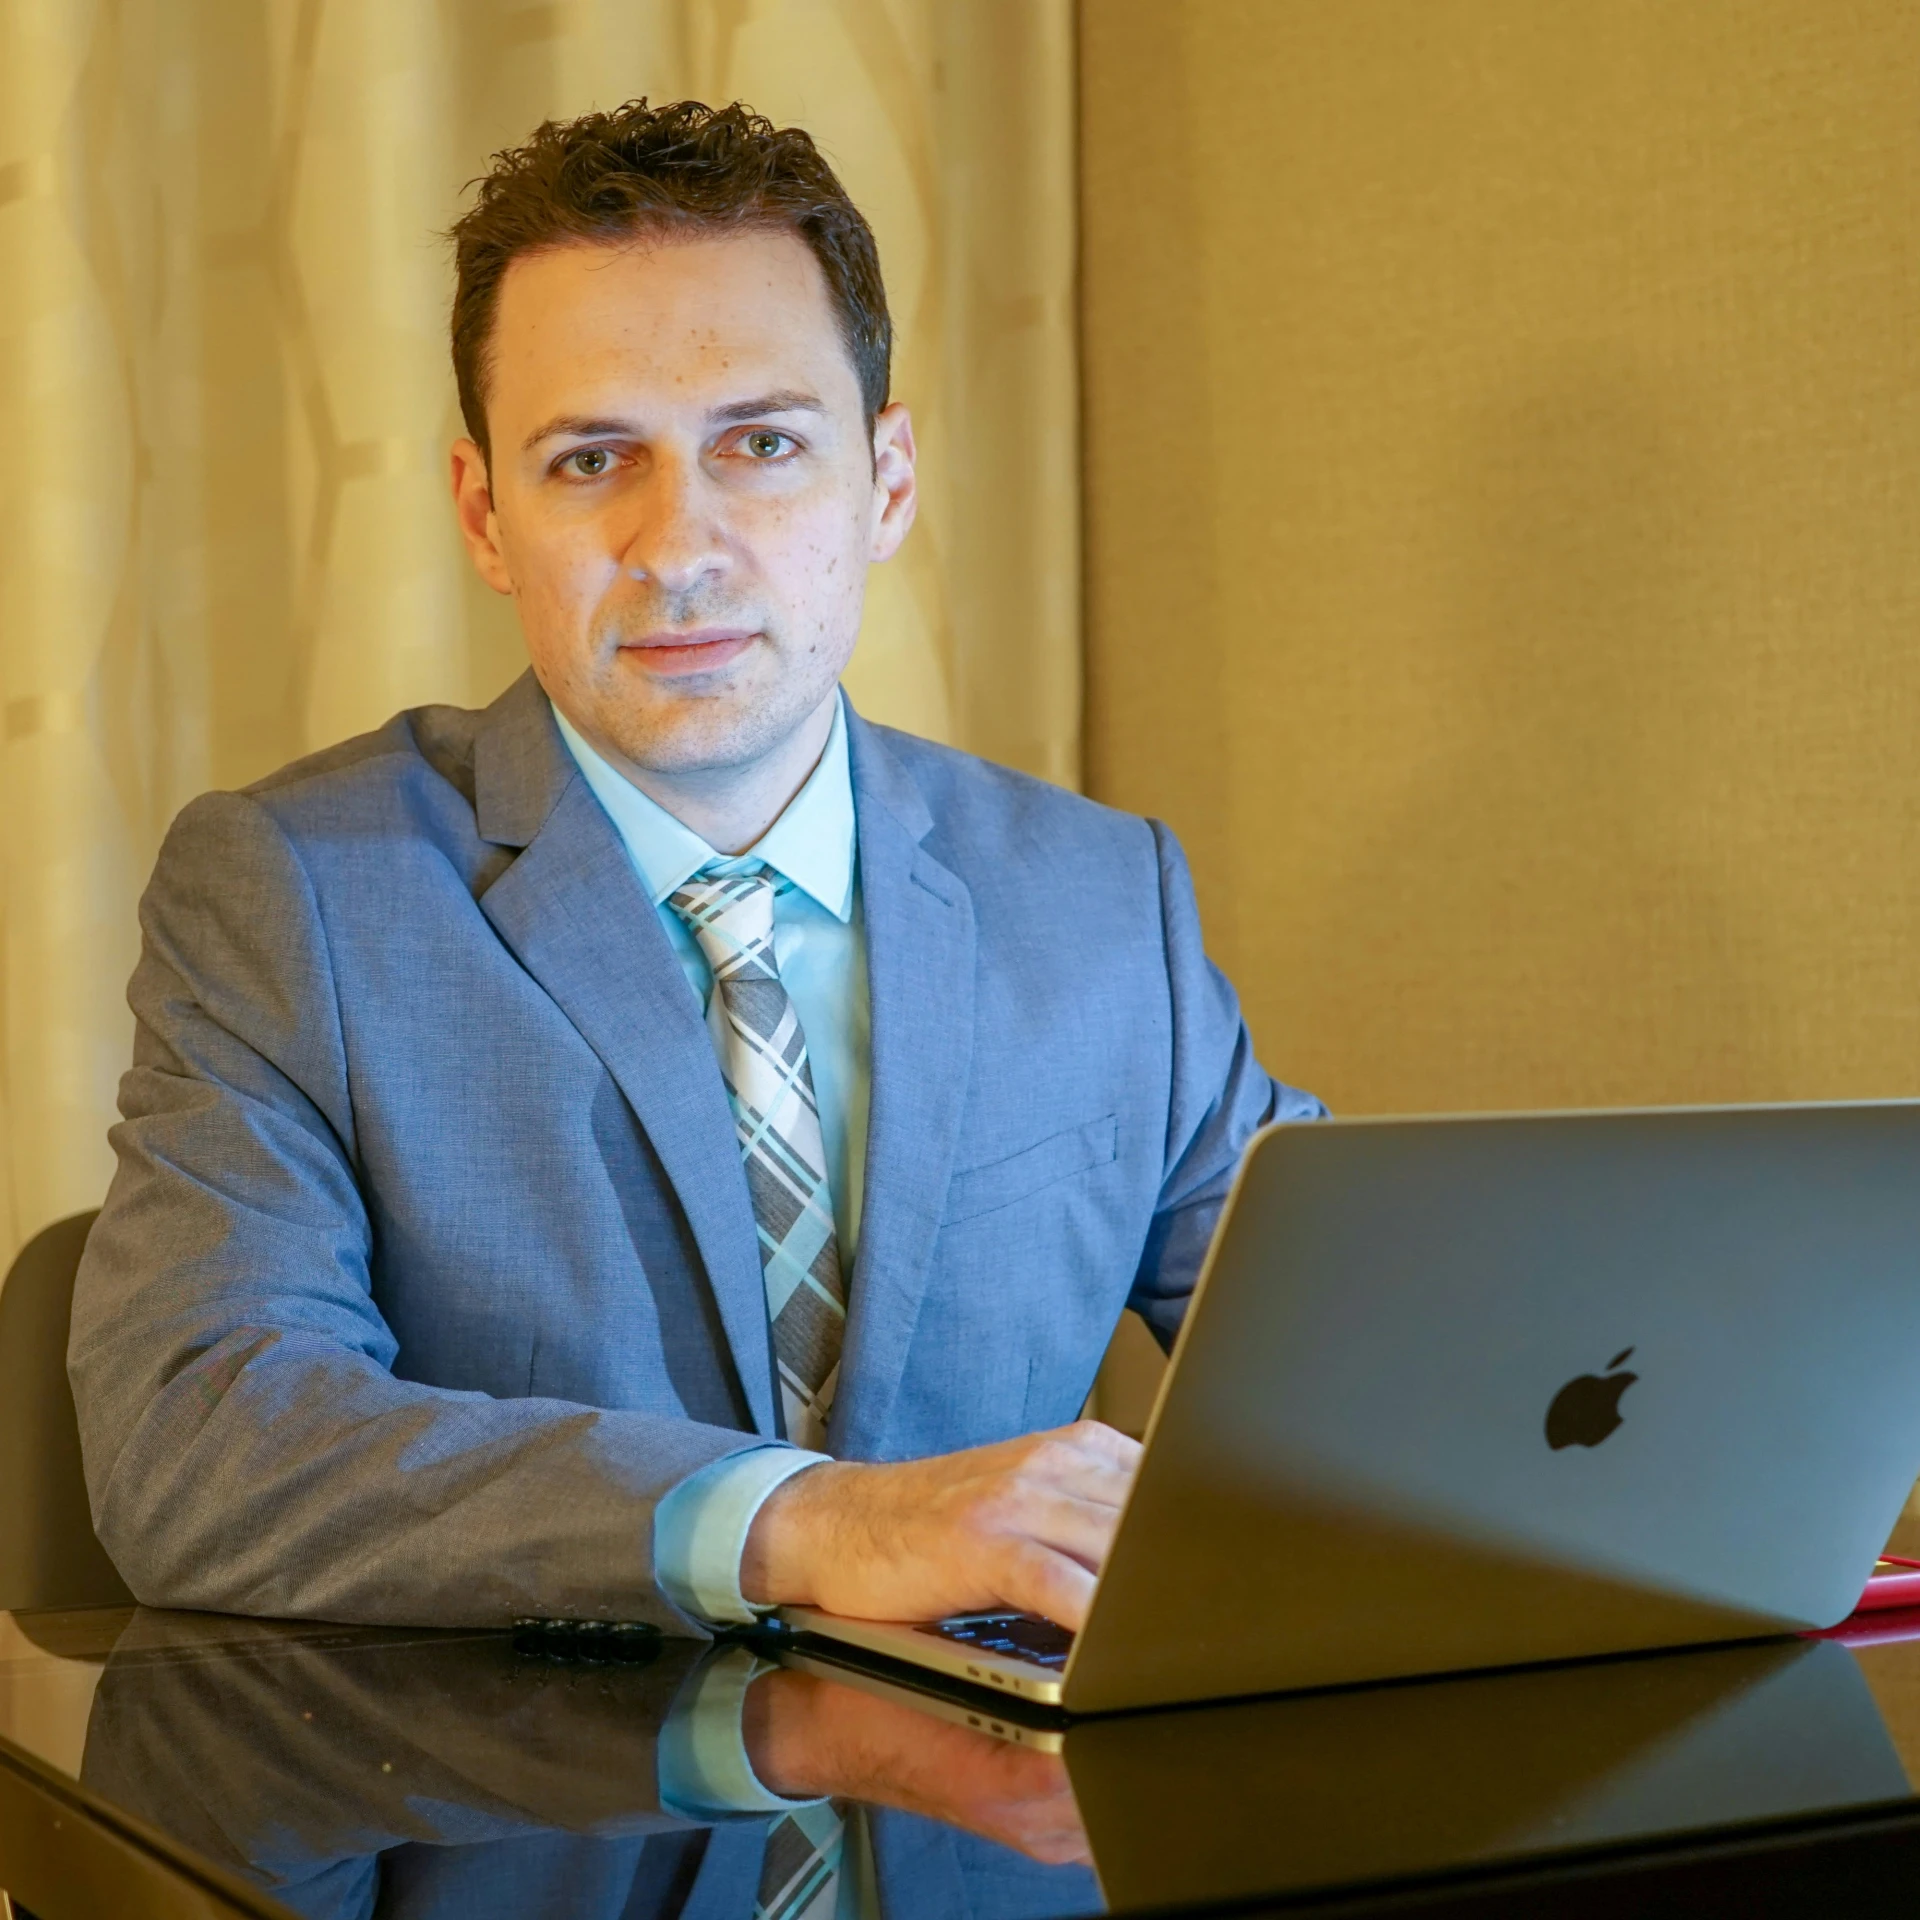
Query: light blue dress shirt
700, 1528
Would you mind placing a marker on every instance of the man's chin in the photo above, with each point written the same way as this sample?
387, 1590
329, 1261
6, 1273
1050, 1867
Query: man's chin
698, 732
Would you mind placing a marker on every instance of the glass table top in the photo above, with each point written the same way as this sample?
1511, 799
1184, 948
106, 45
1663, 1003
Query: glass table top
346, 1771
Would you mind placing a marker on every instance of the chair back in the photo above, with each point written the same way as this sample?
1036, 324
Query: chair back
49, 1556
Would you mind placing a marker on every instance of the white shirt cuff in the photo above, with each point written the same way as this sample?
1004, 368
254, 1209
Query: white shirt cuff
700, 1530
703, 1765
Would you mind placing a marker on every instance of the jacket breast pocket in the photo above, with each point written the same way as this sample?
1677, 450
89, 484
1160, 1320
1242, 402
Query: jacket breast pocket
978, 1190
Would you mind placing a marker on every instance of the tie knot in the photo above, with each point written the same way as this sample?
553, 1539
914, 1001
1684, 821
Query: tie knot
731, 916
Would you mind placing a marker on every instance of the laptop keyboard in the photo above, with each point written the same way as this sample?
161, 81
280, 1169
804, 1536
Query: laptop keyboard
1020, 1636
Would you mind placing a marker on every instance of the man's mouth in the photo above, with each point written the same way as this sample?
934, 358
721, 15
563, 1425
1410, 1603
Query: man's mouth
669, 653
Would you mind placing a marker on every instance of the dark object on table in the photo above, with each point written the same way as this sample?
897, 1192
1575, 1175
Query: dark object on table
631, 1643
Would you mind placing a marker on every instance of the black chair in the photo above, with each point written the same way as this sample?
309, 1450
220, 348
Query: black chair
49, 1556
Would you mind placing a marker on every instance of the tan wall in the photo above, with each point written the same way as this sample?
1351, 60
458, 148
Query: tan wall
1503, 491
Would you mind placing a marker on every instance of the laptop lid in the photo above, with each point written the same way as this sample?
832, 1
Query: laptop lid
1350, 1473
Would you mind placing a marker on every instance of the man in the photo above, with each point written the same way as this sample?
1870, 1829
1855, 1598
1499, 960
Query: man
660, 1147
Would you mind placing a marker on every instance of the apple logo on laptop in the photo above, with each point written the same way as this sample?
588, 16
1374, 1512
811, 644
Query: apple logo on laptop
1586, 1410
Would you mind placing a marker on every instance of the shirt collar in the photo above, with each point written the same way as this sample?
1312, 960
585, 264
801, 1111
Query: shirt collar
811, 844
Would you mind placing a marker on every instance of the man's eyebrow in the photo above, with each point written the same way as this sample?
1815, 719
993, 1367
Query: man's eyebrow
580, 425
583, 427
781, 400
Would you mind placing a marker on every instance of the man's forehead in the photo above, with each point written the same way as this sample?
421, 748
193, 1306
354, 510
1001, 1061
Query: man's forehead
687, 316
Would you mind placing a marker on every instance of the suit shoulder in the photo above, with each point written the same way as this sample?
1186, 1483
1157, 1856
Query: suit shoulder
422, 743
407, 787
967, 795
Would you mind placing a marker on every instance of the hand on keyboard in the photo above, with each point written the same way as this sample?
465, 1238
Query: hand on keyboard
1022, 1526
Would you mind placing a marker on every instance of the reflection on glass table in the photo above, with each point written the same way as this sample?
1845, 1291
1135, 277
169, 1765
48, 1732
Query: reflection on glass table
442, 1774
344, 1771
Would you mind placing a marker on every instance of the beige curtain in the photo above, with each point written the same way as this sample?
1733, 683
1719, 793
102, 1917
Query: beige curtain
224, 408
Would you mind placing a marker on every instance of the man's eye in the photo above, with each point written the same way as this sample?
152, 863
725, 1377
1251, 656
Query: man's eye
764, 444
590, 461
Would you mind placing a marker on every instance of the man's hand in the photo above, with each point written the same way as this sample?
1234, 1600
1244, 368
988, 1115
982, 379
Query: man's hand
810, 1739
1023, 1525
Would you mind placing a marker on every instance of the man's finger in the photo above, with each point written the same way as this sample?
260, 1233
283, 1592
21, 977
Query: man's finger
1083, 1529
1098, 1441
1070, 1469
1036, 1579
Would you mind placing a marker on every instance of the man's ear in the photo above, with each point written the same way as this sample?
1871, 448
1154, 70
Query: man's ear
479, 527
895, 497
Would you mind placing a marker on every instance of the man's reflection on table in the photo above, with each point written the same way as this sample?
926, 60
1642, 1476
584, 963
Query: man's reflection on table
351, 1774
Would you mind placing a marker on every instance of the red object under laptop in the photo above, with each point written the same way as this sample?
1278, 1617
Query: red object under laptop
1894, 1582
1889, 1610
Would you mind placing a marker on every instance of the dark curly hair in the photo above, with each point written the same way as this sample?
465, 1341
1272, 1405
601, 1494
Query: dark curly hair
607, 177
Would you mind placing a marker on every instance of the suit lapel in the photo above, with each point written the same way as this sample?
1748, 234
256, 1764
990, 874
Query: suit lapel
920, 972
574, 915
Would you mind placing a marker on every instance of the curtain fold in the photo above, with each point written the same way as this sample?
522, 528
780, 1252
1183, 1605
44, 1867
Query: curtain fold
225, 403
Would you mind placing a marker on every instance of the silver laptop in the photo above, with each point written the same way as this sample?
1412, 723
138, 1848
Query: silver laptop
1479, 1392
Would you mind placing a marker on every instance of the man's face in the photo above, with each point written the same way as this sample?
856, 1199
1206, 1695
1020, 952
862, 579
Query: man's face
683, 496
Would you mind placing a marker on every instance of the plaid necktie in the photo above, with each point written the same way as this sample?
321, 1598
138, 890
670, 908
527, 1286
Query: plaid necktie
763, 1057
801, 1877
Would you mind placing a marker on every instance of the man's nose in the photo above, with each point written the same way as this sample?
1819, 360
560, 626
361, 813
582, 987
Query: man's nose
677, 540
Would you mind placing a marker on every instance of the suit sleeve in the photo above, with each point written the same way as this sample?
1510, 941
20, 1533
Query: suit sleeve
1221, 1096
248, 1447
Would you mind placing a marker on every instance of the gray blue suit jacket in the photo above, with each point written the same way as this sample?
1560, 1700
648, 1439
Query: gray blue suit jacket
429, 1267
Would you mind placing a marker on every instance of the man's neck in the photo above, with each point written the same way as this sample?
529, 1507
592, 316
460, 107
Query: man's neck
731, 808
